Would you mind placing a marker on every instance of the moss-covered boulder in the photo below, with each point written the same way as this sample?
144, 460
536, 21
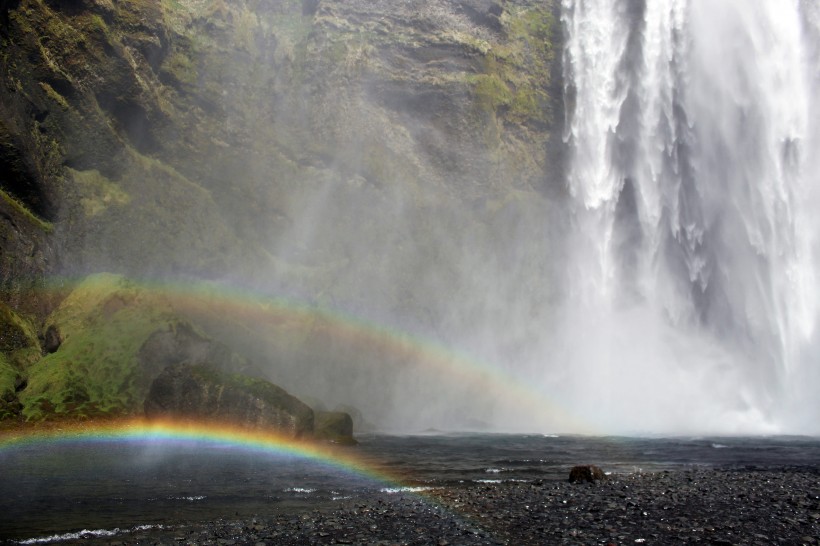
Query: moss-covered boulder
181, 342
106, 342
10, 407
19, 348
95, 370
16, 333
334, 426
204, 392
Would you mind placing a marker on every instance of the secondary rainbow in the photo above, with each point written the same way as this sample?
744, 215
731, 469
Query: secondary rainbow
268, 312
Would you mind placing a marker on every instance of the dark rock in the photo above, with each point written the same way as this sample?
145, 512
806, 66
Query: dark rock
20, 384
203, 392
180, 342
335, 426
586, 473
52, 339
10, 406
360, 424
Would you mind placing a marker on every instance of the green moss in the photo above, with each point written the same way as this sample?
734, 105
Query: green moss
517, 72
529, 103
9, 405
15, 331
492, 91
104, 322
98, 192
54, 95
259, 388
46, 227
8, 377
181, 67
98, 23
293, 27
19, 348
23, 359
334, 426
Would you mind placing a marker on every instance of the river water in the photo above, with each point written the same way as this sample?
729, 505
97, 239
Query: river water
56, 490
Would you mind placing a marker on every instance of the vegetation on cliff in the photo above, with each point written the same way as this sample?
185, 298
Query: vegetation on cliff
342, 153
95, 372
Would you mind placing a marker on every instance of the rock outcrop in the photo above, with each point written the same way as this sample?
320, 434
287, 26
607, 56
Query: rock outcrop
203, 392
360, 423
334, 426
112, 115
180, 342
331, 149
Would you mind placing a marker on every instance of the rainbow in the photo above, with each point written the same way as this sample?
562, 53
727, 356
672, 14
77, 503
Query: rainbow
167, 431
260, 314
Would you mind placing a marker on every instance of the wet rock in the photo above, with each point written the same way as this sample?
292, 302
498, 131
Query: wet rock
586, 473
360, 424
52, 339
334, 426
204, 392
180, 342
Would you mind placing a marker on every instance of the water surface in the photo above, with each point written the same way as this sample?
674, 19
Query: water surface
54, 489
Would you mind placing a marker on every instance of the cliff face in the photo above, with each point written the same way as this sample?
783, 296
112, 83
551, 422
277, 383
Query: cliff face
202, 391
193, 137
370, 155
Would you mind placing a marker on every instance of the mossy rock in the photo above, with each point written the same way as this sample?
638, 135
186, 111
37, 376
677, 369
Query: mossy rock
203, 392
15, 332
334, 426
9, 377
95, 372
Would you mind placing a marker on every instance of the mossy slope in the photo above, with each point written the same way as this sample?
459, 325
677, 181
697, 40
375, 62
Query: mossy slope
95, 372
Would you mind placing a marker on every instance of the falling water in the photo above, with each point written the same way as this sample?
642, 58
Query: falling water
693, 127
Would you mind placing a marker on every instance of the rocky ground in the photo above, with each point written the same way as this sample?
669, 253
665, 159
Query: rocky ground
706, 506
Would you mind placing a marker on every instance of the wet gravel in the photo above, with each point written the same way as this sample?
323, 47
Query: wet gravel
693, 506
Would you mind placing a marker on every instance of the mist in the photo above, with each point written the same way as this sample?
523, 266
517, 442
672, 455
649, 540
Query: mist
591, 216
662, 280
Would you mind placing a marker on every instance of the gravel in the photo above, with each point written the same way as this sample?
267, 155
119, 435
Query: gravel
691, 506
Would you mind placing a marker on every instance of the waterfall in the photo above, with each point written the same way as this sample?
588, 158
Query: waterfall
694, 132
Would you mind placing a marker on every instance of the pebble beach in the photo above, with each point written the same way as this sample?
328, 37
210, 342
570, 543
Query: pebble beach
687, 506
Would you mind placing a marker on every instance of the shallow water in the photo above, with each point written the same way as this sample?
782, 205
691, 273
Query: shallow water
55, 489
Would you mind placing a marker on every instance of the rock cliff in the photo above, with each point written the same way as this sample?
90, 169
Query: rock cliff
336, 151
203, 392
188, 137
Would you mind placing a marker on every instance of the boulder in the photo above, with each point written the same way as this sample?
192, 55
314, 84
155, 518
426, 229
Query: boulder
360, 424
52, 339
334, 426
181, 342
202, 392
586, 473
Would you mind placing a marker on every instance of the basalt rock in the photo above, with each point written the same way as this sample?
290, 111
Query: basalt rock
586, 473
334, 426
202, 392
180, 342
360, 424
52, 339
